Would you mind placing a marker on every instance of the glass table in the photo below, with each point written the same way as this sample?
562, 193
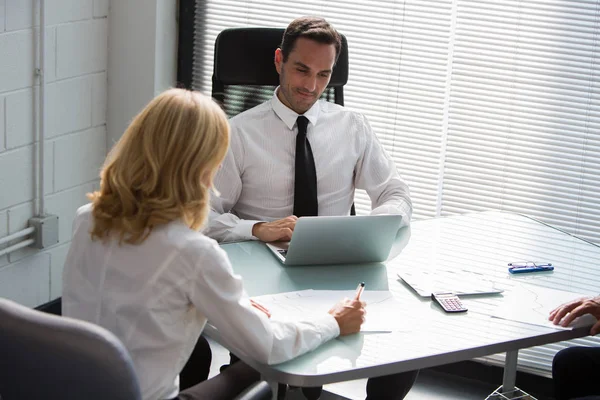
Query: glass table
476, 246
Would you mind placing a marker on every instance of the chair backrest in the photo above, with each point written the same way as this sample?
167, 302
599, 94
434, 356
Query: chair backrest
44, 356
244, 73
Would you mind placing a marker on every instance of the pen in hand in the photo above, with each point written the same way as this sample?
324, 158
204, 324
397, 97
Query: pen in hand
350, 313
359, 290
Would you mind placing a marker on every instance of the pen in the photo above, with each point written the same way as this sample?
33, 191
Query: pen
359, 290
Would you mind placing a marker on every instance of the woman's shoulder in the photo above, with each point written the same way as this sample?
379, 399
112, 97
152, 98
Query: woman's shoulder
192, 244
84, 211
198, 253
83, 216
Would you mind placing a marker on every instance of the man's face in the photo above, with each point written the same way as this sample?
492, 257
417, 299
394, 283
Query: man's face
305, 74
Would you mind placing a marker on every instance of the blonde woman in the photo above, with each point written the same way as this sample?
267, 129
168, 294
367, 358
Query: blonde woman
139, 266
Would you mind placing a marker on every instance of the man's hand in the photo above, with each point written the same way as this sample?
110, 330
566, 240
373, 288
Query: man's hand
566, 313
350, 315
281, 229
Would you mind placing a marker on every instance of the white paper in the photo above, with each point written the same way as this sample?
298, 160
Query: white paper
458, 281
532, 305
300, 305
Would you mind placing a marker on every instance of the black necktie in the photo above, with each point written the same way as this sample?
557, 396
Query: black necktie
305, 185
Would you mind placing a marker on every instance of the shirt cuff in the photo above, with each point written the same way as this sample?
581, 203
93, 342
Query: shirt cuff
329, 327
388, 209
243, 229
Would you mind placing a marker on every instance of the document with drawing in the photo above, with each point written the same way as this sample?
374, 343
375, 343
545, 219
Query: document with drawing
381, 305
532, 304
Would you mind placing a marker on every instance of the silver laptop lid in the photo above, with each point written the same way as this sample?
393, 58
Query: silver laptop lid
342, 239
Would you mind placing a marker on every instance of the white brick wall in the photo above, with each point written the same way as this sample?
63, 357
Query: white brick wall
16, 66
71, 107
75, 145
81, 48
100, 8
2, 7
27, 281
2, 138
3, 232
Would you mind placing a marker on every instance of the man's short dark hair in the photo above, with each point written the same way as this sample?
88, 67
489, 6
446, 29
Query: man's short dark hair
313, 28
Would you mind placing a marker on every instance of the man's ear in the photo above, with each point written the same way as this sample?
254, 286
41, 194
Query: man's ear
278, 60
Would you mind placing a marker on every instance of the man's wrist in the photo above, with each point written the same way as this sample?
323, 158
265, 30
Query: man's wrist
255, 228
243, 229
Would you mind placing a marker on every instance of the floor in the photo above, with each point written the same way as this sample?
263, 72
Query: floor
430, 385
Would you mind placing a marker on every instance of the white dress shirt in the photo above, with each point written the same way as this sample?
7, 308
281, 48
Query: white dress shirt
256, 180
157, 296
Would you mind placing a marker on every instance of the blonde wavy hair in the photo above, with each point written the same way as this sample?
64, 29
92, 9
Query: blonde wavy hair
162, 168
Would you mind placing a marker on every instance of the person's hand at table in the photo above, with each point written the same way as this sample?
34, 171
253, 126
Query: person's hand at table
566, 313
280, 229
350, 315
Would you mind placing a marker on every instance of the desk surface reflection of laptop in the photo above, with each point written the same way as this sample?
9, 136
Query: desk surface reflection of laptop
339, 240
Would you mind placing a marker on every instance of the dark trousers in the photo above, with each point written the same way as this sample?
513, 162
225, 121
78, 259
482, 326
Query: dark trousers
391, 387
576, 372
388, 387
195, 385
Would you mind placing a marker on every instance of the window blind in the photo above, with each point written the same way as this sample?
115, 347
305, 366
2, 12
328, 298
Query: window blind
524, 112
398, 67
481, 104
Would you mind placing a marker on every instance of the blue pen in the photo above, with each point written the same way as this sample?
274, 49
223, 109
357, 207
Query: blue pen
529, 266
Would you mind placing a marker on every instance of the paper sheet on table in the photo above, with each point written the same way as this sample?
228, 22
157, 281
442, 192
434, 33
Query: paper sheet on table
300, 305
532, 305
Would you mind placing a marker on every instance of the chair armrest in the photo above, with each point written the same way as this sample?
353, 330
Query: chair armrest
258, 391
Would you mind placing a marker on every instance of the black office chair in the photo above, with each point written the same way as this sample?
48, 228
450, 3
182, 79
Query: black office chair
244, 73
49, 357
43, 356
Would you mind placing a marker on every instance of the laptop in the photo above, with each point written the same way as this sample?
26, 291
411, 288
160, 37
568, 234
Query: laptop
339, 240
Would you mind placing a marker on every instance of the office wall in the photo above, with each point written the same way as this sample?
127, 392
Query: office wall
75, 145
105, 60
142, 59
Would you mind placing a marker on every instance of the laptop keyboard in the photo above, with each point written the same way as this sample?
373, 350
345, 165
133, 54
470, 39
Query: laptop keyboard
282, 252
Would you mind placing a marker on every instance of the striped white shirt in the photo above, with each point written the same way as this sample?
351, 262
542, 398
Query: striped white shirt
256, 180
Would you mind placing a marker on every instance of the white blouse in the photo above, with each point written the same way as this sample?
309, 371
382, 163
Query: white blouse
156, 298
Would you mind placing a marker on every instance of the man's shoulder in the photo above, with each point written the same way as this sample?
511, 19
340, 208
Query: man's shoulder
253, 113
338, 111
333, 108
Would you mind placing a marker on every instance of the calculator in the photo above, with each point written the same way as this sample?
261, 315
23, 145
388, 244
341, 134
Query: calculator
448, 301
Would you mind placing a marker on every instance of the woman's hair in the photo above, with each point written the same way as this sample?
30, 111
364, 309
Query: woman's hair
162, 167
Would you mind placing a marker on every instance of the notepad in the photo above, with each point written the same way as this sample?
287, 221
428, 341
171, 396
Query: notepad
460, 282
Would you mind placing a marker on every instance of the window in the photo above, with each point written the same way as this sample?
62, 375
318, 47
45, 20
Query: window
482, 104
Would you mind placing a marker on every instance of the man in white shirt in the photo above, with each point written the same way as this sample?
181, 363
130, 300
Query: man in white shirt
257, 179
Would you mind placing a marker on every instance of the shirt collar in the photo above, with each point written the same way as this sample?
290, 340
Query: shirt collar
289, 116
